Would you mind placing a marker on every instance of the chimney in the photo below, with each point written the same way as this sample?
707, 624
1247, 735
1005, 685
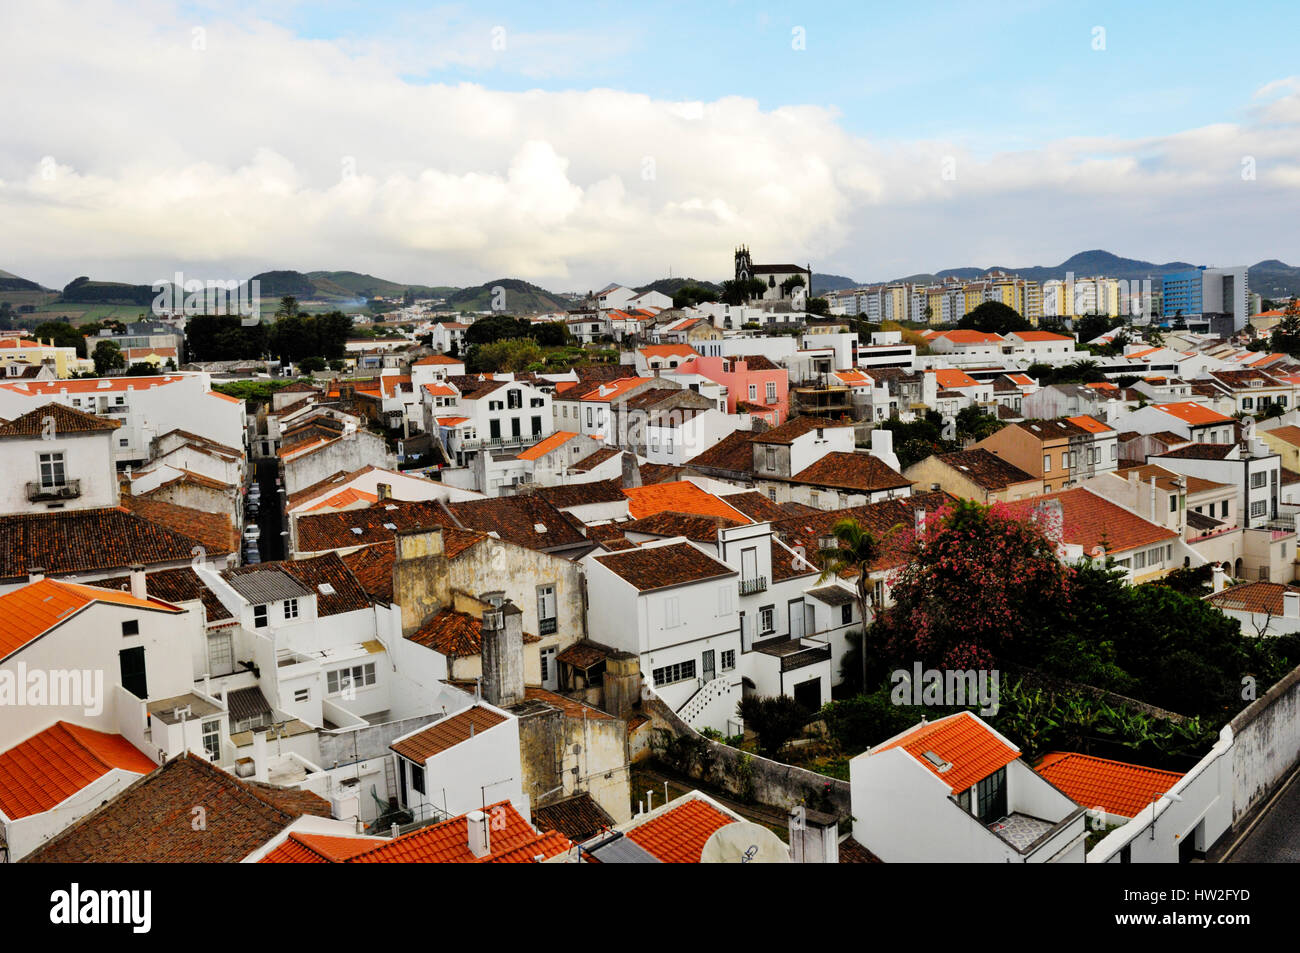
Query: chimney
385, 491
502, 629
920, 521
478, 838
622, 683
1290, 605
35, 574
139, 586
814, 837
419, 575
631, 472
1219, 578
1154, 517
1133, 483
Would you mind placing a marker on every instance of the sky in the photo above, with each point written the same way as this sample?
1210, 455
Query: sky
577, 144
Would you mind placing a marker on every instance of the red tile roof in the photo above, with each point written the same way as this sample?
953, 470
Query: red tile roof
1192, 413
678, 835
57, 420
852, 470
1116, 787
512, 840
679, 497
543, 447
49, 767
1261, 597
962, 740
657, 567
446, 733
320, 849
34, 609
1093, 521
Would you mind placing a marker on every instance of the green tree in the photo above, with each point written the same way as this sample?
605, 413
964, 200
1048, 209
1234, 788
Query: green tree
852, 551
775, 719
61, 334
288, 307
1286, 335
819, 306
994, 317
108, 357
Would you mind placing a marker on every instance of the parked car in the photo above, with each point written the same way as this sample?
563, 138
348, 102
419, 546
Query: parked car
252, 532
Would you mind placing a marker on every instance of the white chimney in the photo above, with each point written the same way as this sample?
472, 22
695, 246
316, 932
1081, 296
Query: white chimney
1290, 605
1219, 578
35, 574
139, 585
920, 522
479, 838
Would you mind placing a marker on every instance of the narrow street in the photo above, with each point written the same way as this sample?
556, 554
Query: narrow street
270, 517
1276, 838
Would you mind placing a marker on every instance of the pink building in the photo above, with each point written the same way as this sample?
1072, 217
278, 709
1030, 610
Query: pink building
754, 384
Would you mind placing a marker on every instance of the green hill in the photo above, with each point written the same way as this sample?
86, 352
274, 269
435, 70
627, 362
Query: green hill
84, 291
520, 298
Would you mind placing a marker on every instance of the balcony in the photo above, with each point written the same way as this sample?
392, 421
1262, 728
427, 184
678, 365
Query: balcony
750, 586
546, 626
495, 443
38, 492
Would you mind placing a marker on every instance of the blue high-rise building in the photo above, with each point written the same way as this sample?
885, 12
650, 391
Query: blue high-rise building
1182, 293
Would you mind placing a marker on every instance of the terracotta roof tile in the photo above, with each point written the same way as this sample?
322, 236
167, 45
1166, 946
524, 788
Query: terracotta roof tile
851, 470
966, 743
577, 817
511, 838
529, 521
57, 419
1261, 597
985, 469
1118, 788
680, 497
690, 525
678, 835
656, 567
318, 532
1092, 521
796, 427
51, 766
140, 824
446, 733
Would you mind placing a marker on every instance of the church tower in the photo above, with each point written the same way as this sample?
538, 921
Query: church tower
744, 264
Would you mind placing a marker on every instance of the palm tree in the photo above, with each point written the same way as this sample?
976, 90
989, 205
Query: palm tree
853, 549
288, 307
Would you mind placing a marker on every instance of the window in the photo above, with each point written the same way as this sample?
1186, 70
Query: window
546, 622
588, 416
770, 459
728, 660
417, 778
1173, 504
672, 612
771, 494
1047, 463
536, 402
1114, 451
991, 797
212, 739
291, 608
1259, 508
1258, 479
753, 392
131, 627
771, 390
259, 617
354, 676
302, 695
514, 399
1074, 456
1139, 560
52, 472
1223, 507
846, 613
537, 426
680, 672
767, 619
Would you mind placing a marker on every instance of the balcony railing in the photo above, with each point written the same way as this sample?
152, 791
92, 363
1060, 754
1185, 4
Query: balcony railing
67, 490
546, 626
492, 443
750, 586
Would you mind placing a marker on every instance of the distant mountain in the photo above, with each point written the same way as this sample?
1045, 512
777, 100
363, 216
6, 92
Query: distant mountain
355, 284
84, 291
825, 283
1270, 278
1275, 279
520, 297
277, 284
11, 282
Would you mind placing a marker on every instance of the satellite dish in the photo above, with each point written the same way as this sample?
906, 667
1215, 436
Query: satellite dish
744, 843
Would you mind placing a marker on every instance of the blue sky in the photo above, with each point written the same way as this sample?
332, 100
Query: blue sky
574, 144
1000, 76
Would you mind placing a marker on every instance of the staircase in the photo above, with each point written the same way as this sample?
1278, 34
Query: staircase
701, 710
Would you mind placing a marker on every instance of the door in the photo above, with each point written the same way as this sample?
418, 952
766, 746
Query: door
809, 694
550, 681
748, 565
131, 662
221, 654
708, 666
796, 619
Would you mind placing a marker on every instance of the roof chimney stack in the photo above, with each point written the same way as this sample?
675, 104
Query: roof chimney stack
478, 837
139, 585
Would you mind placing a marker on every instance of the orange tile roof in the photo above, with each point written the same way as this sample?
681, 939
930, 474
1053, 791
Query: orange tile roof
437, 359
965, 742
612, 390
441, 390
668, 350
85, 385
447, 733
1192, 413
1145, 353
320, 849
1041, 336
1090, 424
37, 607
678, 836
541, 449
966, 336
345, 498
679, 497
299, 449
854, 378
948, 378
451, 421
1090, 521
1023, 380
48, 768
1103, 385
1116, 787
512, 840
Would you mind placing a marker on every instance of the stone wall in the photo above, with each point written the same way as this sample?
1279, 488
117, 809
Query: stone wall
1266, 743
745, 776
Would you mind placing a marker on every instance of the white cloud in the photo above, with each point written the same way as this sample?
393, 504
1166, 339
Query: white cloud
263, 150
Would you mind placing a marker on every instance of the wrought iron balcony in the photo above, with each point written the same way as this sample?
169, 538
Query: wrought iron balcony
38, 492
750, 586
546, 626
